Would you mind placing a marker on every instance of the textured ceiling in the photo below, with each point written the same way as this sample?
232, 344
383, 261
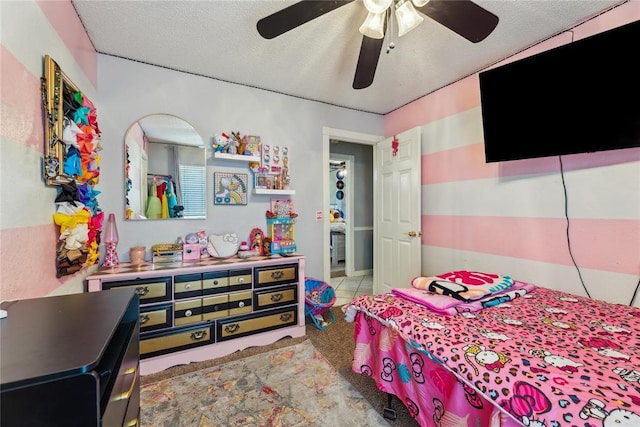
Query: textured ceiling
317, 60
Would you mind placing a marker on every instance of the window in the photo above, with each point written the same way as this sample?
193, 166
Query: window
192, 190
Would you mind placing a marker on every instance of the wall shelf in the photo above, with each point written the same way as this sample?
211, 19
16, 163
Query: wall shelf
237, 157
273, 192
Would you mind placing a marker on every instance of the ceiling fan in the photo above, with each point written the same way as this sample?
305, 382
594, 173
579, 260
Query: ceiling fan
460, 16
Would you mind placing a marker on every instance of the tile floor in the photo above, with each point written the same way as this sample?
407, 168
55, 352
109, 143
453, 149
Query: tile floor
347, 288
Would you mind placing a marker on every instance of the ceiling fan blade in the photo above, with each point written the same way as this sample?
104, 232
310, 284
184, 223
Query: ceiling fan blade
367, 62
463, 17
295, 15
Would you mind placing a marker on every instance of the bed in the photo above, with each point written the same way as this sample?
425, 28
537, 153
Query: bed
522, 355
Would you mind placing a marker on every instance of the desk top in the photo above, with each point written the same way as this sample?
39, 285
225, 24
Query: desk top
50, 337
148, 268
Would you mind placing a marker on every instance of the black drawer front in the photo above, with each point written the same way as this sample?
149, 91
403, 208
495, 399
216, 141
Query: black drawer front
149, 290
155, 317
276, 275
249, 324
275, 297
157, 343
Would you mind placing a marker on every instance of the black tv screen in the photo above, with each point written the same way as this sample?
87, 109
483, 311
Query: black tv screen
577, 98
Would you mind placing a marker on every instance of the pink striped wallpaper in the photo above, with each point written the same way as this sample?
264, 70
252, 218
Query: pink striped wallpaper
606, 239
27, 248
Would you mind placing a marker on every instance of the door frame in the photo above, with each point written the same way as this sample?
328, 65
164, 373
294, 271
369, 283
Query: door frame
347, 136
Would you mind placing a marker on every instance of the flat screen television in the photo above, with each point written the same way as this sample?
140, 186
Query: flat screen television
577, 98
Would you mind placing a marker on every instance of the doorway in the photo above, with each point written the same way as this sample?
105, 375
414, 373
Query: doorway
341, 203
353, 242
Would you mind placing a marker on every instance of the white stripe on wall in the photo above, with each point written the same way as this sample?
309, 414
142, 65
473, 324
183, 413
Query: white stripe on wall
454, 131
589, 195
23, 167
602, 285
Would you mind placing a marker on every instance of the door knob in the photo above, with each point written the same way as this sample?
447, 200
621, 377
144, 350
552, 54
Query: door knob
413, 233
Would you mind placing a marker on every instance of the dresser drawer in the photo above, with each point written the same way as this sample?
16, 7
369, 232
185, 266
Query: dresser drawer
215, 282
188, 311
126, 384
256, 322
155, 317
148, 290
239, 280
271, 276
187, 285
158, 343
215, 307
239, 303
275, 297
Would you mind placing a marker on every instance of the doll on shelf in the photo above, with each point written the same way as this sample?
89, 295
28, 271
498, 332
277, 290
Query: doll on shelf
257, 239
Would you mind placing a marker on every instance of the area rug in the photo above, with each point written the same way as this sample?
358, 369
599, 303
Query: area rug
290, 386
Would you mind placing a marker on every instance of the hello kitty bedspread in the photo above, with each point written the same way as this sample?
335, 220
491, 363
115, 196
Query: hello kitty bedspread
546, 359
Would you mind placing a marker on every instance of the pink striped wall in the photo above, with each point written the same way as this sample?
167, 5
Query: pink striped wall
603, 244
27, 253
62, 16
21, 104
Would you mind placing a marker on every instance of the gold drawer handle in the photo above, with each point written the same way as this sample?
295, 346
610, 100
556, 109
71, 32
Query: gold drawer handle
277, 275
132, 423
144, 318
127, 394
198, 335
142, 290
232, 328
285, 317
276, 297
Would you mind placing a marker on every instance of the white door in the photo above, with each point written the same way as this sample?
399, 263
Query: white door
397, 248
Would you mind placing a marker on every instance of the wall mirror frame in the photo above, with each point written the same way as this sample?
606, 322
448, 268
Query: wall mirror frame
165, 169
57, 88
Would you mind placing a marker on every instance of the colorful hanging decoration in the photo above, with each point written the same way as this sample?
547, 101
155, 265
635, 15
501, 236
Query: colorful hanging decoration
72, 163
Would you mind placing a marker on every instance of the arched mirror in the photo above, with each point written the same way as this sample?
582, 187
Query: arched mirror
165, 168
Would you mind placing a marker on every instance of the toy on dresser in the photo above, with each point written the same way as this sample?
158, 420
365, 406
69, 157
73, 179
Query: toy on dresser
223, 245
281, 222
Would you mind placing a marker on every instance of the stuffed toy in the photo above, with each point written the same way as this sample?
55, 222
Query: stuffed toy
220, 142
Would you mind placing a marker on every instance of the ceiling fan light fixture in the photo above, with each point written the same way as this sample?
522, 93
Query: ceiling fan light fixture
373, 25
407, 16
419, 3
377, 6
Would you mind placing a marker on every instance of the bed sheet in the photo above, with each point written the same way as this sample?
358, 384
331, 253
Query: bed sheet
547, 359
432, 394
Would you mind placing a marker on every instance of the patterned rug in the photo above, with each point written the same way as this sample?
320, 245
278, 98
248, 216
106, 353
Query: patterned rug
291, 386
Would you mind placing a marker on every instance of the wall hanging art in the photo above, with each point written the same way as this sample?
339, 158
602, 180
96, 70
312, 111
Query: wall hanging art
71, 162
230, 188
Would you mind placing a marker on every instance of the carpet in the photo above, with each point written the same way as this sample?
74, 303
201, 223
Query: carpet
288, 386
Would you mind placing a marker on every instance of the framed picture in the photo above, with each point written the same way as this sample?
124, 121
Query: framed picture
265, 181
230, 188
